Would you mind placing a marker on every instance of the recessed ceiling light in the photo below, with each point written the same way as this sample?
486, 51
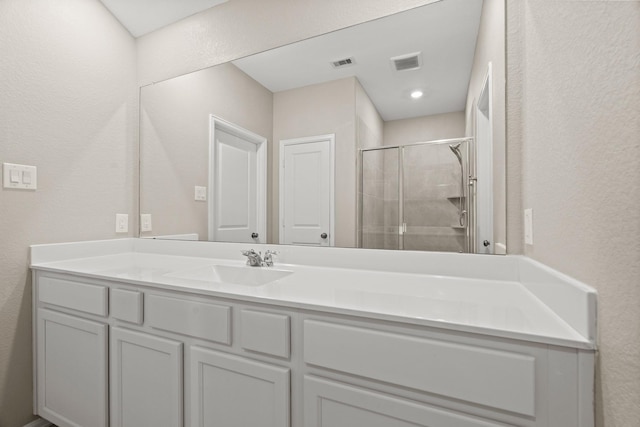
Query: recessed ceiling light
416, 94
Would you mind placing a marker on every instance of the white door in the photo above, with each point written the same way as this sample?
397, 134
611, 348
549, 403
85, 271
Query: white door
72, 370
306, 191
228, 390
146, 380
237, 208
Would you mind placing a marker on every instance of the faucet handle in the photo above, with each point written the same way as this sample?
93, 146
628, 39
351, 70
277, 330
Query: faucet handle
268, 257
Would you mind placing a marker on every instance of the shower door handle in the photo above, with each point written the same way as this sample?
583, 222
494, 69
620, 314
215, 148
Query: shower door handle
402, 229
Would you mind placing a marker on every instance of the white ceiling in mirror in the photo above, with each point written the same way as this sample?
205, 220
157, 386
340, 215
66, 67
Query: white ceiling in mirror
444, 33
143, 16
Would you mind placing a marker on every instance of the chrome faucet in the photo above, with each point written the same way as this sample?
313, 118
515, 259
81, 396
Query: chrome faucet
254, 259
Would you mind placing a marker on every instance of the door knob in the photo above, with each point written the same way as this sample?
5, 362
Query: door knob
254, 235
324, 235
486, 243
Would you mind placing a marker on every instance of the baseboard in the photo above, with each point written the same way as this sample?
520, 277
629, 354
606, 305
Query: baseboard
40, 422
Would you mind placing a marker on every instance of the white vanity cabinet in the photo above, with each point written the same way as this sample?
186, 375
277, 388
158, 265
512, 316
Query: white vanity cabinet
359, 373
146, 380
122, 354
112, 354
71, 370
71, 360
227, 390
334, 404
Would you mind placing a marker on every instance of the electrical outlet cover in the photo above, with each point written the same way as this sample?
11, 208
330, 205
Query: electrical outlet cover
145, 222
528, 226
200, 194
122, 223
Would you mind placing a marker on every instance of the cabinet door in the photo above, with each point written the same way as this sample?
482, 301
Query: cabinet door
72, 370
231, 391
330, 404
146, 380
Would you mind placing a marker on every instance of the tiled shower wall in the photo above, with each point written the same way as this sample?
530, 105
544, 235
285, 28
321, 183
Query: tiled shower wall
431, 198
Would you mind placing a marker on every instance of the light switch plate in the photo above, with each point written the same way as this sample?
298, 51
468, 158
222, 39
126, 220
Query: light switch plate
200, 194
21, 177
528, 226
145, 222
122, 223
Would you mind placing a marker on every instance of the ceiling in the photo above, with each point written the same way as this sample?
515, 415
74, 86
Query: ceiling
444, 32
143, 16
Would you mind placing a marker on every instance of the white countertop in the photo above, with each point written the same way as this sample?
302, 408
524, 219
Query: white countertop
491, 306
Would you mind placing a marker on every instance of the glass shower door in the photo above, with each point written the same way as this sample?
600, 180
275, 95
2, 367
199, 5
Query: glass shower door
380, 223
434, 199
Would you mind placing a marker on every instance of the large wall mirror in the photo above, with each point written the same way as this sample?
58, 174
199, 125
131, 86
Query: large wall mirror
388, 134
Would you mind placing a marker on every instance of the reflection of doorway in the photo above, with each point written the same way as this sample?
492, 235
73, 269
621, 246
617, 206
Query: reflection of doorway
237, 184
307, 191
484, 168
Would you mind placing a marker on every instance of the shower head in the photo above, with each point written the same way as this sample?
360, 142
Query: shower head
456, 150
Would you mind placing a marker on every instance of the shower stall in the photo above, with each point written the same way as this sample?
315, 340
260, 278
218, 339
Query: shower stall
418, 196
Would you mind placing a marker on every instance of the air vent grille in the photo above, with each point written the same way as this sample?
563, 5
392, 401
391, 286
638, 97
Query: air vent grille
408, 62
343, 62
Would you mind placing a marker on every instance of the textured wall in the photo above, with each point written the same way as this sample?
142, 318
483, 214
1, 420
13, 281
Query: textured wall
243, 27
370, 126
578, 113
426, 128
68, 104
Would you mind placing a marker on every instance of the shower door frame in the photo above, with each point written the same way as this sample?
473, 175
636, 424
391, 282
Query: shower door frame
469, 180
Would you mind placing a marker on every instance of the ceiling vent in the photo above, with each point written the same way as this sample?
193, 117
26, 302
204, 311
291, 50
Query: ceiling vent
346, 62
411, 61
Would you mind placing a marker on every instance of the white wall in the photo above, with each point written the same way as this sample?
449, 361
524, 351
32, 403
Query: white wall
321, 109
68, 105
174, 139
243, 27
574, 152
425, 128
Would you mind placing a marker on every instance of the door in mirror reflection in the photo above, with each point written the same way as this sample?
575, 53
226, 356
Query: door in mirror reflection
416, 197
237, 200
306, 191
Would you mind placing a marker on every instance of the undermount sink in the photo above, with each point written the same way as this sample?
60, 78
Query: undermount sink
245, 275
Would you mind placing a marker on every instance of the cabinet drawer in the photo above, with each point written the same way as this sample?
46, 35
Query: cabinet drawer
494, 378
265, 332
197, 319
126, 305
79, 296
